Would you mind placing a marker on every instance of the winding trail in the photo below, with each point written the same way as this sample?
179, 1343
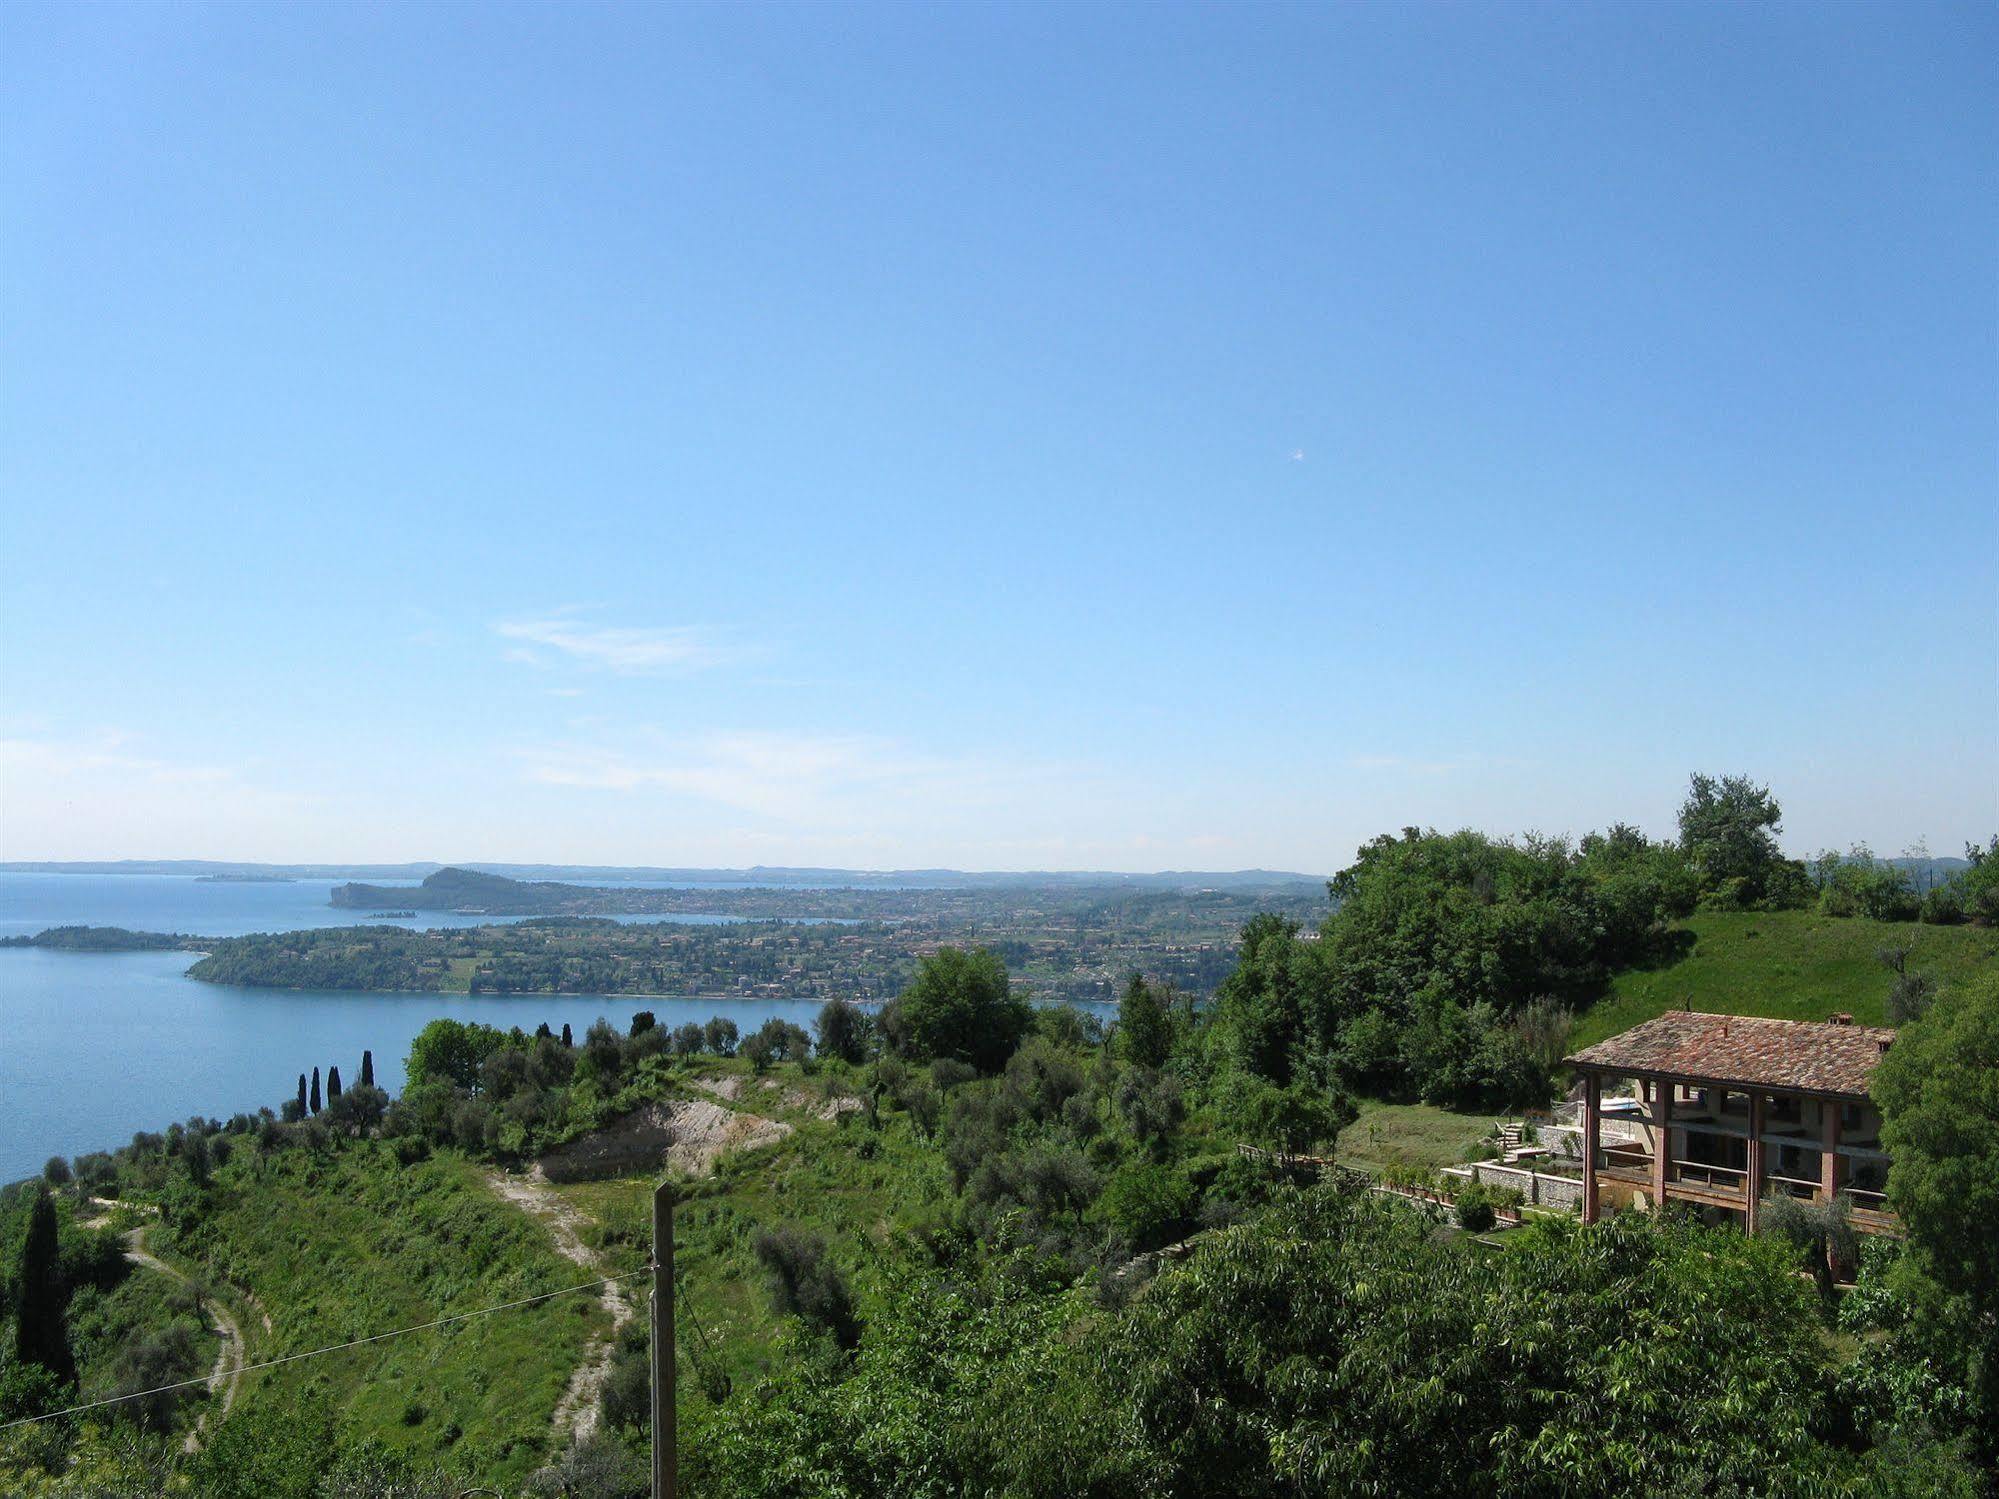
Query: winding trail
576, 1412
227, 1375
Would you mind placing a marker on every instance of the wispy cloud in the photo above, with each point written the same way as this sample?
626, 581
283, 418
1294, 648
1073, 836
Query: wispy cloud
808, 779
103, 795
618, 648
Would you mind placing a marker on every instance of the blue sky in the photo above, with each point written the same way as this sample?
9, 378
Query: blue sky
1006, 437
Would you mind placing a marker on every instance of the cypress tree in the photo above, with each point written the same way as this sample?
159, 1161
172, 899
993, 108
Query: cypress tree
301, 1095
367, 1069
332, 1083
567, 1039
40, 1296
315, 1090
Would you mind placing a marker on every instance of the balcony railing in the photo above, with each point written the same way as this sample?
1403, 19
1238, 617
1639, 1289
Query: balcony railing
1727, 1179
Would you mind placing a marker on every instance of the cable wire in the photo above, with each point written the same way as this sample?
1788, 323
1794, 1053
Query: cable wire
291, 1358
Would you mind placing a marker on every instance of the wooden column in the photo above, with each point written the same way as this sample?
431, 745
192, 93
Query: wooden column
1662, 1138
1829, 1173
1753, 1184
1592, 1139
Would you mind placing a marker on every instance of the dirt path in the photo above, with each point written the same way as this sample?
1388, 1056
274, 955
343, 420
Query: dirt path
576, 1412
227, 1375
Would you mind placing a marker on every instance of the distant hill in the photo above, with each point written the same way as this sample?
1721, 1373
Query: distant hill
765, 875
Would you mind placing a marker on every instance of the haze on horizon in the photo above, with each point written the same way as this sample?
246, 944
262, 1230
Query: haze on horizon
1043, 438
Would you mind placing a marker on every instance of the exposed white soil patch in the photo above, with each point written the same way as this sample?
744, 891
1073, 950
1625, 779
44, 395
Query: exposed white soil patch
732, 1086
576, 1412
683, 1136
729, 1085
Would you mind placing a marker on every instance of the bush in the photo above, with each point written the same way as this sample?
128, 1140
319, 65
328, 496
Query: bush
805, 1283
1943, 905
1474, 1208
1147, 1205
844, 1032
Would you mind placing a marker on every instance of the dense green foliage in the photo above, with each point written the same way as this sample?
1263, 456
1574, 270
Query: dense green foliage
100, 939
1938, 1089
961, 1005
1336, 1344
1446, 971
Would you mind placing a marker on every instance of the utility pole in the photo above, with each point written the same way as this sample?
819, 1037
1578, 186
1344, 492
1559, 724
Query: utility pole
665, 1431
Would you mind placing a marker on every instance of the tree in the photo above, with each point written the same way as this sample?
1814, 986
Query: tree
40, 1294
312, 1099
567, 1039
1145, 1028
1728, 829
332, 1084
959, 1005
1940, 1127
368, 1064
451, 1051
55, 1171
720, 1034
643, 1021
303, 1108
843, 1031
805, 1283
1821, 1232
688, 1039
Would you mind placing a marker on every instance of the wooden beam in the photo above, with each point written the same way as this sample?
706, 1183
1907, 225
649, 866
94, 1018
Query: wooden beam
1662, 1140
1754, 1185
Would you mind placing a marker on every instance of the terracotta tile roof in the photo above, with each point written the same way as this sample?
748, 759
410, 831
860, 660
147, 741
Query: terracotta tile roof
1812, 1056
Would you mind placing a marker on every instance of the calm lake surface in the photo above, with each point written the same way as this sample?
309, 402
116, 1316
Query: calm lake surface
94, 1046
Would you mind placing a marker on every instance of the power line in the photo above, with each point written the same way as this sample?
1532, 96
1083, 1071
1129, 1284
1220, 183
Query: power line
291, 1358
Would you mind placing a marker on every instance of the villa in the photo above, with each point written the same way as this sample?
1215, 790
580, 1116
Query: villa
1730, 1110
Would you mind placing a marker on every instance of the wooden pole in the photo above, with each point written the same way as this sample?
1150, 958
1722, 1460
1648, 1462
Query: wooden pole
665, 1432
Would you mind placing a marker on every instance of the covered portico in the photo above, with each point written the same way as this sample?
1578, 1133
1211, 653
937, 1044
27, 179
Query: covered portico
1732, 1109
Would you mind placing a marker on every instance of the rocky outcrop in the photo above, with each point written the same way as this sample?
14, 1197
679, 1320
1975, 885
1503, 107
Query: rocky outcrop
684, 1136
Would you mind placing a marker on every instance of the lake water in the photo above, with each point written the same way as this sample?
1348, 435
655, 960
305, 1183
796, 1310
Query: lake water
94, 1046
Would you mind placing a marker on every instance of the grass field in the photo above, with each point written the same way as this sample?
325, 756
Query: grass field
1789, 965
349, 1243
1411, 1134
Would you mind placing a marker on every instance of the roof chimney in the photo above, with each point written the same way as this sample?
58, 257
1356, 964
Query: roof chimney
1841, 1018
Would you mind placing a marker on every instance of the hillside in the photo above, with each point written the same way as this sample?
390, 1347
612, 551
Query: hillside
349, 1242
1790, 965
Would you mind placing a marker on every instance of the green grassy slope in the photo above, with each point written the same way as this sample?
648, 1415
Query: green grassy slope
849, 1185
345, 1244
1790, 965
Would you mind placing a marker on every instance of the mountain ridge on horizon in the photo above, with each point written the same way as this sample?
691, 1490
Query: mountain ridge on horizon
749, 874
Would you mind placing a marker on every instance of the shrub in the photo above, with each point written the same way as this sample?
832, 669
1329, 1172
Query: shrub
1147, 1205
805, 1283
1476, 1213
844, 1031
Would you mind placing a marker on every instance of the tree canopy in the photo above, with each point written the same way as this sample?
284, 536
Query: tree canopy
960, 1005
